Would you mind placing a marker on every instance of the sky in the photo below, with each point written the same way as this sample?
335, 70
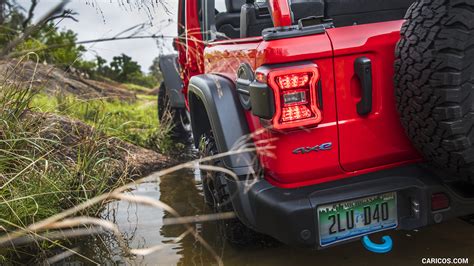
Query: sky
106, 18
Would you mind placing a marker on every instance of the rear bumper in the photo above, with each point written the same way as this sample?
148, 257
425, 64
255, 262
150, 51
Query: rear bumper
289, 215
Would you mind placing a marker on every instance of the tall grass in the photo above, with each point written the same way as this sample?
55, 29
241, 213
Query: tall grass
48, 163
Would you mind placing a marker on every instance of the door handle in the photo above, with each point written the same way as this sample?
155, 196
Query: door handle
363, 70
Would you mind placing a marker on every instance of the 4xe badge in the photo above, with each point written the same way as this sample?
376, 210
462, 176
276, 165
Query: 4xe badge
317, 148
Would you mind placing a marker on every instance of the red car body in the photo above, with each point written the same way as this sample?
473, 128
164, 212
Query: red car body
358, 147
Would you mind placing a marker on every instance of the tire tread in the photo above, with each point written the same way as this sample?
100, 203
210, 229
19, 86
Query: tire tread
434, 82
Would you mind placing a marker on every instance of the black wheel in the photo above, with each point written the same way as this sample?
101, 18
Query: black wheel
217, 196
176, 116
434, 81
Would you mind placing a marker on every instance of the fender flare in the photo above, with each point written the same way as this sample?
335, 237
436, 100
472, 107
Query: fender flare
218, 97
173, 83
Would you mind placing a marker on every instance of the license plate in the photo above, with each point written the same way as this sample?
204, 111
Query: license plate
354, 218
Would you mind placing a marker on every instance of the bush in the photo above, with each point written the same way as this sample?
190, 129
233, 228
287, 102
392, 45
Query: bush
87, 67
144, 80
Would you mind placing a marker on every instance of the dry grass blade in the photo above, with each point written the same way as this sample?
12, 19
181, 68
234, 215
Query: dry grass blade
199, 218
158, 204
62, 256
150, 250
22, 171
57, 235
145, 201
81, 221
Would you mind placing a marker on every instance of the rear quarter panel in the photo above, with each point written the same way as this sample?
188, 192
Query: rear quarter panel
282, 167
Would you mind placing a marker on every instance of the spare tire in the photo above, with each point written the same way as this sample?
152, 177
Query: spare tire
434, 83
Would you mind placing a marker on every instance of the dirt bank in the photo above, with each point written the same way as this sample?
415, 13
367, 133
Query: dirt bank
53, 80
70, 134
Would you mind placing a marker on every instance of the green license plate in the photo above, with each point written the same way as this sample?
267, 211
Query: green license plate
355, 218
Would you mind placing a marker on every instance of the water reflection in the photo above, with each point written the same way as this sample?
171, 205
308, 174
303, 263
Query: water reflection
142, 227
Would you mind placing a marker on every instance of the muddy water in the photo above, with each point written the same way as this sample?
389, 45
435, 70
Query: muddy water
143, 228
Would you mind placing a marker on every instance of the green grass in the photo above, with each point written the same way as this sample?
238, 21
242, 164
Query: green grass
133, 122
41, 172
147, 97
135, 87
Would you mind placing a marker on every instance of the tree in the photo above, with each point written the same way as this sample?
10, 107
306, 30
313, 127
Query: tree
17, 37
155, 70
101, 63
63, 56
6, 7
11, 20
124, 68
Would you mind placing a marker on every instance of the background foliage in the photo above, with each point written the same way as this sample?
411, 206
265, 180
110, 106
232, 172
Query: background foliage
59, 47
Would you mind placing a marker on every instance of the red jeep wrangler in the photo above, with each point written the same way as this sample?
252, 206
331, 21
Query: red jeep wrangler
369, 117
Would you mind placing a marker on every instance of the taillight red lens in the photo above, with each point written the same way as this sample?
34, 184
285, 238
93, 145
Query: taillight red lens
295, 96
293, 81
439, 201
294, 113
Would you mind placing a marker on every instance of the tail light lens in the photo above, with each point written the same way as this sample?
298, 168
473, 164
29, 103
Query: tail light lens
293, 81
295, 90
439, 201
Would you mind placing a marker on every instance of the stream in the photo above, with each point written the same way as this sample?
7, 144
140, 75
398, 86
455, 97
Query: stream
143, 227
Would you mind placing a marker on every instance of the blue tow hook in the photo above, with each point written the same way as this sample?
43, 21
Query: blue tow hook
385, 247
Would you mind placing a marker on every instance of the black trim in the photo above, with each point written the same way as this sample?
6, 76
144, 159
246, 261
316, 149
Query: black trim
245, 92
289, 215
262, 100
245, 76
363, 70
169, 67
320, 95
214, 105
295, 31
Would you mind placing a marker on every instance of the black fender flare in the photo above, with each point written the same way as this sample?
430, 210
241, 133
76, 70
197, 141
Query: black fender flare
218, 97
171, 77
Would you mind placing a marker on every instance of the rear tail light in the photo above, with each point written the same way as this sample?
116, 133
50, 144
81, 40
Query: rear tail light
295, 91
439, 201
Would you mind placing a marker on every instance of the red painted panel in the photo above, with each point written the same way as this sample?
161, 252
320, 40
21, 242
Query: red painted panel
281, 13
191, 53
377, 139
225, 58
